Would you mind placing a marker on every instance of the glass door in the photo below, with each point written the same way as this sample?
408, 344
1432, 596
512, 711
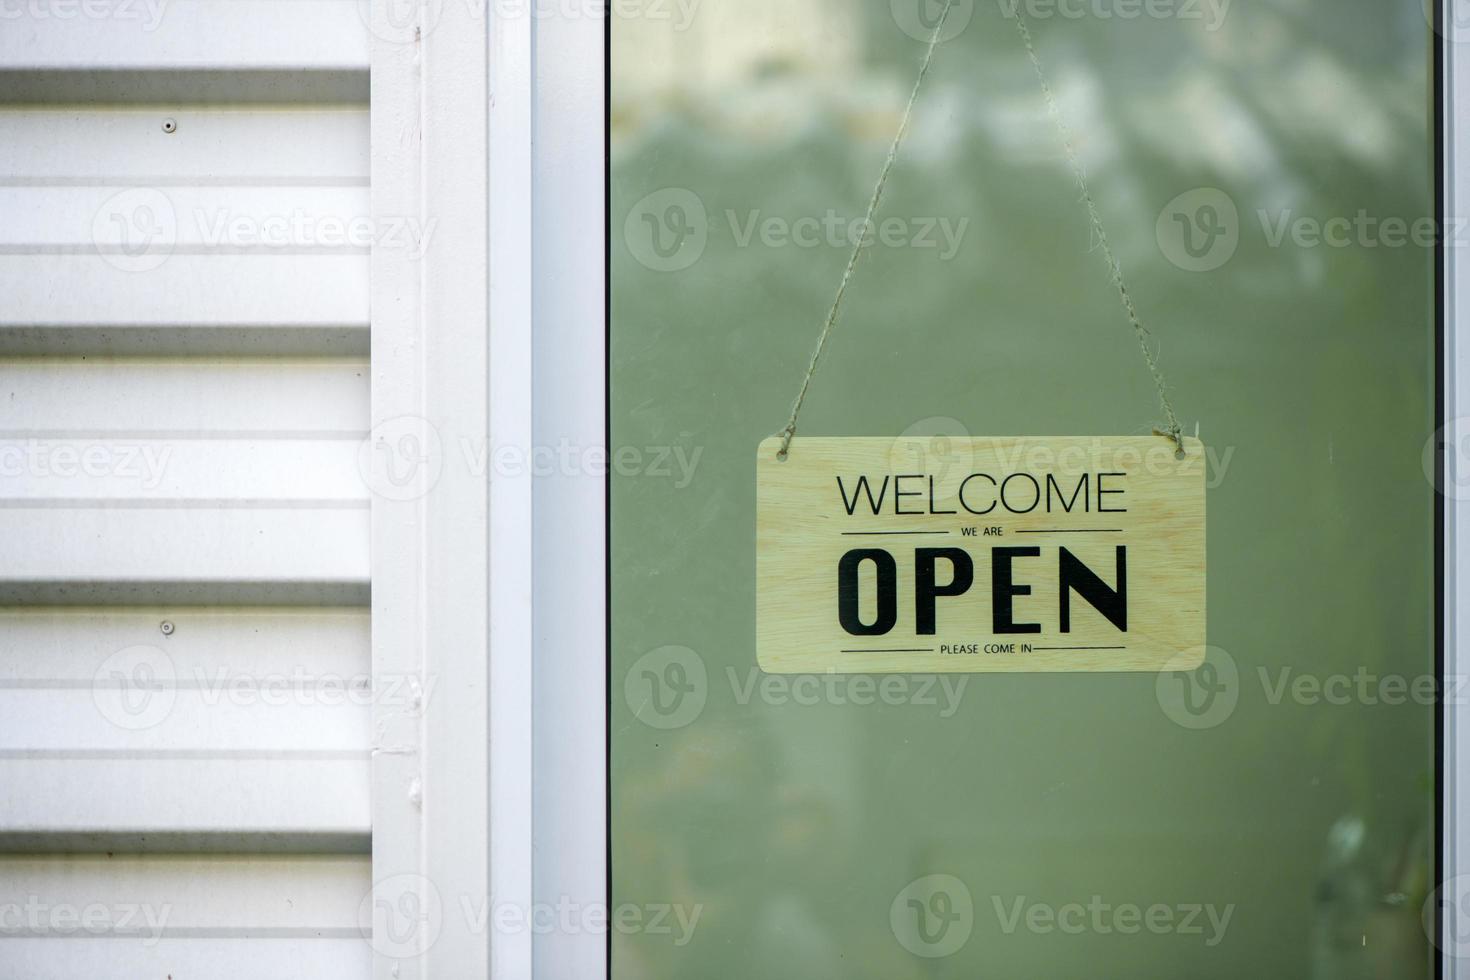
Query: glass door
1264, 173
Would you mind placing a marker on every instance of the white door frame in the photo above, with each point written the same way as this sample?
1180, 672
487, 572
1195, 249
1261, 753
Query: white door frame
1453, 482
570, 581
487, 357
451, 543
473, 580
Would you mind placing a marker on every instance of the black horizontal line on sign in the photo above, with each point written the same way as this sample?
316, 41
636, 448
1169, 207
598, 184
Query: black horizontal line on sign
1079, 648
895, 650
1073, 530
895, 532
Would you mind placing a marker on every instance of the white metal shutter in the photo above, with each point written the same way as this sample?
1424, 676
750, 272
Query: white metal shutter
184, 535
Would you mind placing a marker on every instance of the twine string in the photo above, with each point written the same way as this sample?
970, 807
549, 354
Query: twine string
857, 249
1172, 429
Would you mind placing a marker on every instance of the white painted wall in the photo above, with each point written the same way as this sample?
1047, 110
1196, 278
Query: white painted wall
210, 383
184, 388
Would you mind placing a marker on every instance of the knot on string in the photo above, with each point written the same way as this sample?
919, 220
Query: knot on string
786, 435
1173, 433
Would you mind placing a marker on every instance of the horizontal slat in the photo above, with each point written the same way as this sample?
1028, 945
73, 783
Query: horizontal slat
261, 892
77, 549
129, 146
182, 341
307, 957
185, 291
73, 644
164, 35
63, 472
229, 917
282, 220
247, 681
56, 396
262, 714
183, 87
226, 716
199, 497
301, 802
130, 208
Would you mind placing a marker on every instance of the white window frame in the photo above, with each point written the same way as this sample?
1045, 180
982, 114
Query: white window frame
1454, 81
488, 127
570, 410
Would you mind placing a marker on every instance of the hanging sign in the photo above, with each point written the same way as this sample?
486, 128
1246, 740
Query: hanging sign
924, 554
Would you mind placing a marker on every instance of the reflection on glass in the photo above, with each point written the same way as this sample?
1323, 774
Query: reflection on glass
1263, 170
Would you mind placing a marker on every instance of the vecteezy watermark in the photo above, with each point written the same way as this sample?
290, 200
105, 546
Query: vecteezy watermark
1446, 916
944, 448
938, 444
942, 692
1360, 230
919, 18
405, 457
44, 459
676, 463
932, 916
138, 229
35, 917
676, 15
401, 916
668, 687
147, 14
1102, 918
668, 230
1362, 686
137, 687
300, 686
1211, 13
299, 228
1207, 695
833, 230
674, 921
1199, 230
1450, 18
1198, 694
403, 21
404, 915
1446, 459
1019, 456
135, 230
402, 458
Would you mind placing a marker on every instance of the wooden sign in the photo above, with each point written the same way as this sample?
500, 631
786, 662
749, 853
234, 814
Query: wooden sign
935, 553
